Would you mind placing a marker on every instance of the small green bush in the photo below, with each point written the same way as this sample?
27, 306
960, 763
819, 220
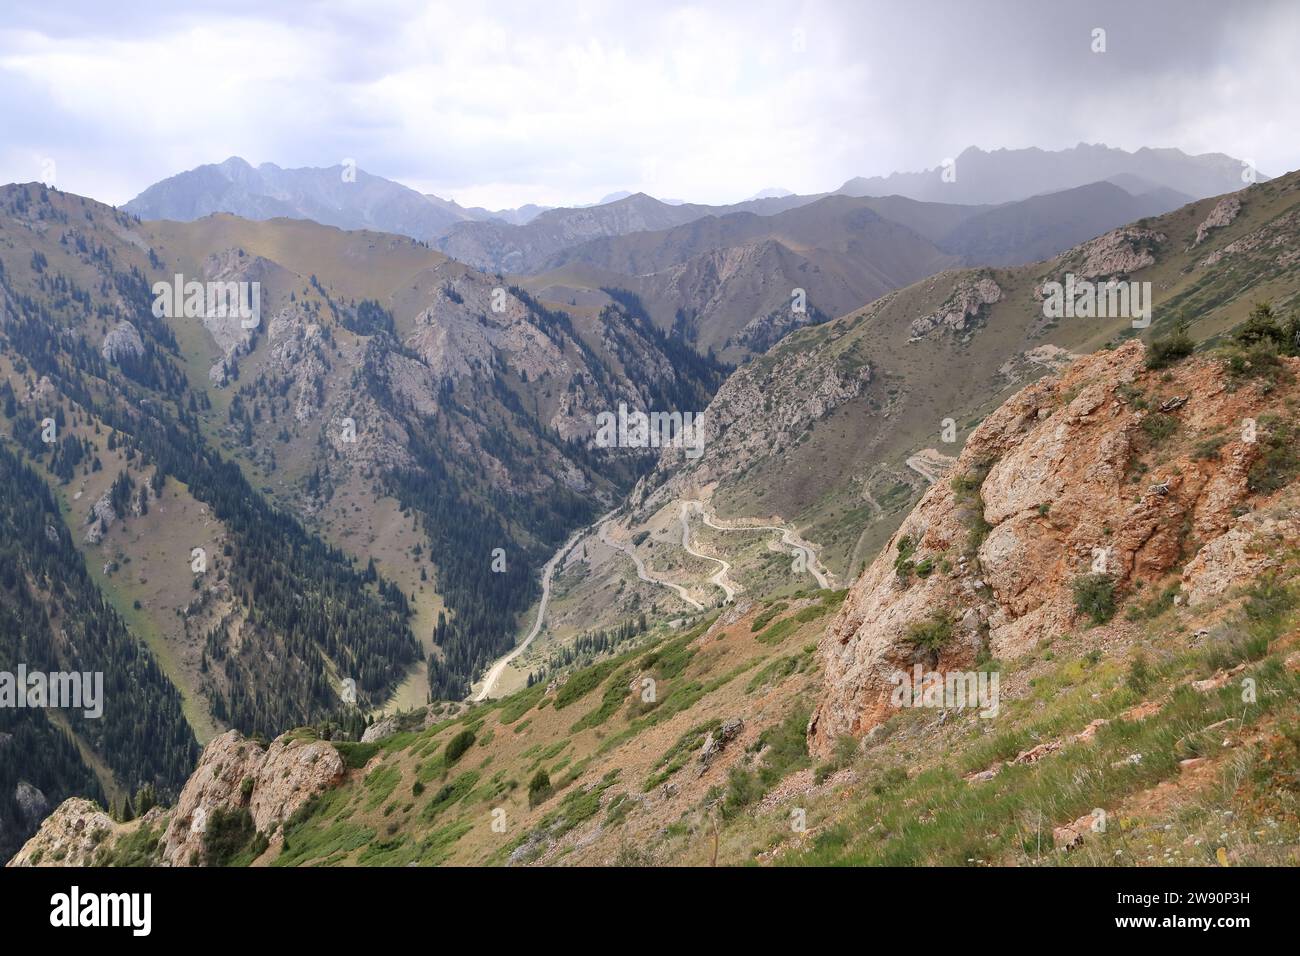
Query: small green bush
929, 637
231, 838
1094, 596
539, 788
1159, 427
1170, 350
457, 746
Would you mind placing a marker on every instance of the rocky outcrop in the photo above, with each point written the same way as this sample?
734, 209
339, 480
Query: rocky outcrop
1064, 481
760, 410
122, 341
1117, 253
68, 837
1275, 239
32, 803
234, 772
1224, 211
1252, 546
413, 721
101, 518
716, 743
297, 354
964, 306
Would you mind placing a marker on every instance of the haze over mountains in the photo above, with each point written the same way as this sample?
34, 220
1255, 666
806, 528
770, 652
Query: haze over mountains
322, 194
1005, 175
723, 276
334, 196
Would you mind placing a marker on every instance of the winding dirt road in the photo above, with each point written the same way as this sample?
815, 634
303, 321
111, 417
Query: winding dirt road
722, 578
642, 572
788, 538
548, 571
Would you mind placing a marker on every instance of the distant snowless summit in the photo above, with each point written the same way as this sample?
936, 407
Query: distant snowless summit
351, 198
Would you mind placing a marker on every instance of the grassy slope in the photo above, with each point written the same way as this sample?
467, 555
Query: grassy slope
900, 800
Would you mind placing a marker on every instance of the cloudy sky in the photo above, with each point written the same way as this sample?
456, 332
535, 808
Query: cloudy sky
500, 103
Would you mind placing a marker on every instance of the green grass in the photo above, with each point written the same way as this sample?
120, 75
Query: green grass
138, 848
676, 756
516, 705
937, 818
450, 794
380, 784
766, 617
355, 755
581, 683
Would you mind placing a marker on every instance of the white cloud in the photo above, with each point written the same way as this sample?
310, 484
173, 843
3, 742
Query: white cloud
564, 102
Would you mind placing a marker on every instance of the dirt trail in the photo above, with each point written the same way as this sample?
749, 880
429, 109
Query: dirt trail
931, 464
548, 571
722, 578
642, 572
789, 538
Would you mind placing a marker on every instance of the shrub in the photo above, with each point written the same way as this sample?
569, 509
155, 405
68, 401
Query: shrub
1094, 596
1279, 460
1259, 361
765, 618
539, 788
903, 564
231, 837
355, 755
743, 789
1210, 448
929, 637
1265, 328
1163, 352
1159, 427
1139, 674
457, 746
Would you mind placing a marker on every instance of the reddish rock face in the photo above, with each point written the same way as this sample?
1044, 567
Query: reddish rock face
1074, 475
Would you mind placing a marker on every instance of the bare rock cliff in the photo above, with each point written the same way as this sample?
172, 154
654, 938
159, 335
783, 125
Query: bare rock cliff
235, 772
1108, 472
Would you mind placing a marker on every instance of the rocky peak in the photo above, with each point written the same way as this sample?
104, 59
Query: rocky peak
964, 306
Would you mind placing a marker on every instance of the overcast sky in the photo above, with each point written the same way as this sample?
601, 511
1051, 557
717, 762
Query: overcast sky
498, 104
